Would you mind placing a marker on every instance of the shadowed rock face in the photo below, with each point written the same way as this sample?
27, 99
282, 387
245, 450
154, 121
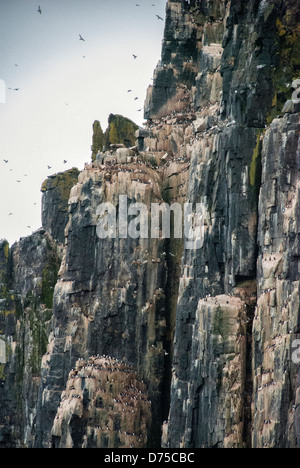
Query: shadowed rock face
206, 335
28, 274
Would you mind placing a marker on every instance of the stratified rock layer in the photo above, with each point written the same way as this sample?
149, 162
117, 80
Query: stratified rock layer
276, 321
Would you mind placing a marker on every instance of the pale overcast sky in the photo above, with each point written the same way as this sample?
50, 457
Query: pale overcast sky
64, 85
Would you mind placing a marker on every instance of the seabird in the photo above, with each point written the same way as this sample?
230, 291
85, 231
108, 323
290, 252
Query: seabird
49, 167
5, 160
14, 89
134, 56
129, 91
81, 38
39, 10
136, 98
65, 162
159, 17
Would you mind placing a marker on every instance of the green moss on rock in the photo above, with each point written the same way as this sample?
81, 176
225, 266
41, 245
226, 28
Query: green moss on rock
287, 69
98, 139
39, 341
220, 325
49, 280
255, 166
119, 130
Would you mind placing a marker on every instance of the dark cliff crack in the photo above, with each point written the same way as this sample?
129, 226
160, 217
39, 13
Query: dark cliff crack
173, 248
251, 302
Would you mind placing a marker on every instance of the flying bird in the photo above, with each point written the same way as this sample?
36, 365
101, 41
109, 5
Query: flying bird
129, 91
39, 10
81, 38
49, 167
159, 17
18, 181
139, 110
10, 214
134, 56
5, 160
65, 162
14, 89
136, 98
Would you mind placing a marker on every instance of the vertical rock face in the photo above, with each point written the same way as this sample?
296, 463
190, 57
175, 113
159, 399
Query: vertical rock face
116, 341
211, 377
227, 164
56, 190
237, 154
28, 276
276, 321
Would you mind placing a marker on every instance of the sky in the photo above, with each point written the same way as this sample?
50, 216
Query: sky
60, 85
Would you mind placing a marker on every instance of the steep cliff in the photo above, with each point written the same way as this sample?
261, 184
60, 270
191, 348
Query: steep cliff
231, 166
143, 341
56, 192
29, 272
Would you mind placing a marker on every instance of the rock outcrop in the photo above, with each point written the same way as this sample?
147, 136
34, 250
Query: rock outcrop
140, 341
56, 190
104, 405
120, 131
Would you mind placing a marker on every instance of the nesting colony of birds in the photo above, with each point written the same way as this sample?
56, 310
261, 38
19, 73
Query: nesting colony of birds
105, 405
